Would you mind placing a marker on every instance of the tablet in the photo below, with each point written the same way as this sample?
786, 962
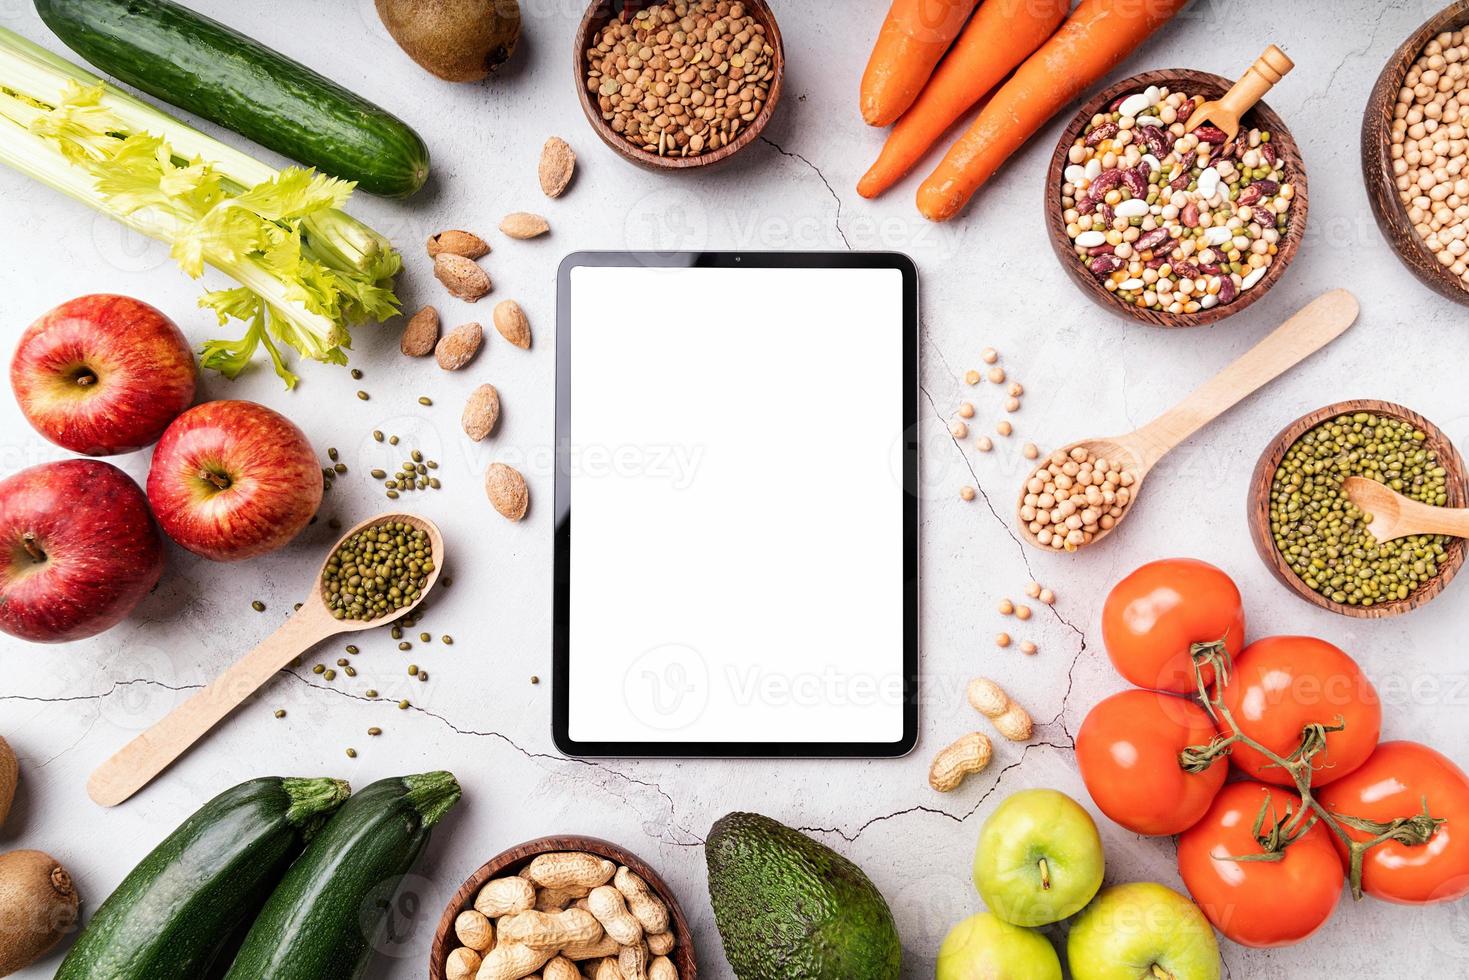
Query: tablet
738, 434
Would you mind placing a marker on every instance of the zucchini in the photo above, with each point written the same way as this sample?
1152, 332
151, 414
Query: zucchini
216, 72
175, 912
321, 921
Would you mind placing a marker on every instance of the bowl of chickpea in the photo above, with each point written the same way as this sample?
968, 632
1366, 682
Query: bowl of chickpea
1170, 227
1415, 152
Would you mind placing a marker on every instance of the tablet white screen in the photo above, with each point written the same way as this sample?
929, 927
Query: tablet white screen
736, 552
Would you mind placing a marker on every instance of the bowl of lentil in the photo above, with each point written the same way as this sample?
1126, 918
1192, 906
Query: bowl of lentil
1319, 544
1232, 218
1415, 152
678, 84
453, 932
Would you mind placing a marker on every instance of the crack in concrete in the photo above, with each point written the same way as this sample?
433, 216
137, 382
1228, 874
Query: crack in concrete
1329, 89
694, 839
101, 694
937, 811
829, 189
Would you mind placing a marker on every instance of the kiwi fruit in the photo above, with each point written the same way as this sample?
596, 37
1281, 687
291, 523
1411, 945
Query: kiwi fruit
38, 905
9, 775
457, 40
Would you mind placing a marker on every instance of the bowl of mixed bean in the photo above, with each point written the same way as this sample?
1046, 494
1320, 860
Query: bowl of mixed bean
1415, 152
1319, 544
1169, 227
678, 84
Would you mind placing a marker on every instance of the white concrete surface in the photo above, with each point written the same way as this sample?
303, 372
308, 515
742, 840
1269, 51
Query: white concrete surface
988, 279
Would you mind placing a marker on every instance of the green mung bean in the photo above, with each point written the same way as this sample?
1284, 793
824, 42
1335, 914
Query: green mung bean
1325, 539
377, 571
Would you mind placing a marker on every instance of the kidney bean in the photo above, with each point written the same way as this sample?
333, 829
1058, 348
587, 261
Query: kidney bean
1190, 214
1250, 195
1210, 134
1102, 132
1096, 250
1136, 181
1186, 110
1156, 262
1108, 215
1209, 268
1151, 239
1185, 270
1267, 154
1185, 173
1227, 290
1116, 103
1158, 140
1104, 265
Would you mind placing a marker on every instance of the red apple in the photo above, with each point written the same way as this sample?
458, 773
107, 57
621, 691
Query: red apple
78, 550
102, 374
233, 479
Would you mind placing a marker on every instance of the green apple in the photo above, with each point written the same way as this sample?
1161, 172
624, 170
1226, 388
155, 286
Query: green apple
1142, 930
1039, 858
986, 947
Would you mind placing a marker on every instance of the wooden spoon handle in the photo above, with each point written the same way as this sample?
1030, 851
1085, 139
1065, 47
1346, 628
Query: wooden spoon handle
1314, 326
1258, 79
1416, 517
137, 763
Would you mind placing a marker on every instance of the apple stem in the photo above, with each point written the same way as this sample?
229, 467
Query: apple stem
1045, 874
28, 541
86, 378
218, 479
1161, 973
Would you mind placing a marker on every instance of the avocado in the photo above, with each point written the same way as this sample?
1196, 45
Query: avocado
789, 908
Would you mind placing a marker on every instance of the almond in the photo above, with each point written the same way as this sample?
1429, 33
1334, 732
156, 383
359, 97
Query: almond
481, 412
458, 346
420, 333
510, 320
523, 224
507, 491
456, 242
558, 163
461, 276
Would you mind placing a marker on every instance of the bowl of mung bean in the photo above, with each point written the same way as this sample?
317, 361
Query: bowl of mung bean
1319, 544
1415, 152
1167, 227
678, 84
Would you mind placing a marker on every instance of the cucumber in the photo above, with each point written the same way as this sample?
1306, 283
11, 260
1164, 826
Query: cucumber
322, 919
182, 904
216, 72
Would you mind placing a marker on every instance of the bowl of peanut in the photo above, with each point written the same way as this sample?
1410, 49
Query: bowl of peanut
678, 84
563, 908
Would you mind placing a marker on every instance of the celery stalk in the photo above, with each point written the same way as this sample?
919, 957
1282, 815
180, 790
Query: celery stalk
306, 269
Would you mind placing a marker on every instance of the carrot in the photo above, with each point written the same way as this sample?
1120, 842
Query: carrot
913, 38
1000, 36
1094, 39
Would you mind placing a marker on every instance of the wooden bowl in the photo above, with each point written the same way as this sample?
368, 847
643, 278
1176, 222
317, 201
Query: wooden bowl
1382, 190
1259, 507
1195, 83
597, 16
511, 861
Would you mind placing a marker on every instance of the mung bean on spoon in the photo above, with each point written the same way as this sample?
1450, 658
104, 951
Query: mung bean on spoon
345, 597
1043, 516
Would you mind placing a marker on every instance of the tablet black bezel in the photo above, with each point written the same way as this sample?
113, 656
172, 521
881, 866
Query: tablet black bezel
560, 713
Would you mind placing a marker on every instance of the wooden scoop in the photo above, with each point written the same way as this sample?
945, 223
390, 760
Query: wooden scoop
1396, 516
1225, 113
135, 765
1314, 326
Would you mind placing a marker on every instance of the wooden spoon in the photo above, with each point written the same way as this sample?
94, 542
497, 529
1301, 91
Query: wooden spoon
1314, 326
137, 763
1258, 79
1396, 516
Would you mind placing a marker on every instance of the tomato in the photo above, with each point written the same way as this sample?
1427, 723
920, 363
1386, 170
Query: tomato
1152, 619
1259, 903
1128, 753
1394, 782
1282, 683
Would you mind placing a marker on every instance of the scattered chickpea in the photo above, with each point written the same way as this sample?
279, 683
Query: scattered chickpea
1004, 428
989, 355
971, 377
1022, 612
1033, 590
1002, 640
1031, 451
1016, 390
966, 410
1012, 404
958, 429
997, 375
966, 493
1048, 597
1006, 607
1027, 647
983, 444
